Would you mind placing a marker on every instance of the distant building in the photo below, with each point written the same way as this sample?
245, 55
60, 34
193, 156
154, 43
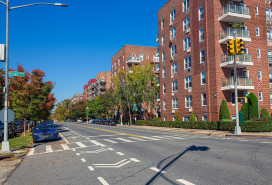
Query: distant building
77, 98
85, 93
103, 82
91, 89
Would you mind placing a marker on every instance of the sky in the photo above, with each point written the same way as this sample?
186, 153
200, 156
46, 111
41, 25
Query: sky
73, 44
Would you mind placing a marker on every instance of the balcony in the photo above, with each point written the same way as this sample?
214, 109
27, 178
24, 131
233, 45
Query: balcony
133, 60
242, 61
102, 88
234, 14
155, 60
242, 84
103, 81
228, 34
156, 70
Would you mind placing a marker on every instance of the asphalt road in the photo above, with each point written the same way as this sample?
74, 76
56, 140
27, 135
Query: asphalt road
95, 155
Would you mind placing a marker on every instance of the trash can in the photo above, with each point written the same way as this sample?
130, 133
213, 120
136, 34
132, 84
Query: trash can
241, 117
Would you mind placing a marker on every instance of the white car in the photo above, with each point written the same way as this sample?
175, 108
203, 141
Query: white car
79, 121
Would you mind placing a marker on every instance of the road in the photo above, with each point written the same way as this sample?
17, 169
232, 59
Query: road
94, 155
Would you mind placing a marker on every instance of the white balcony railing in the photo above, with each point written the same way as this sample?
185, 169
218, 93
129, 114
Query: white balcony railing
234, 13
229, 33
133, 60
242, 83
242, 61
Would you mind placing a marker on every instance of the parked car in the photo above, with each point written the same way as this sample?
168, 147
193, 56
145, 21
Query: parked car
111, 122
45, 132
12, 130
19, 125
79, 121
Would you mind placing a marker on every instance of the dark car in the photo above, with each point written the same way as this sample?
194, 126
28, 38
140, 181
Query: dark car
111, 122
45, 132
19, 125
12, 130
103, 121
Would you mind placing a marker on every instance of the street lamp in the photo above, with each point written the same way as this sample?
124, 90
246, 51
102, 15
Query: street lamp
5, 143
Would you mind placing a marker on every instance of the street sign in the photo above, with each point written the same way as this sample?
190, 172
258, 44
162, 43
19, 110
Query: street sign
16, 73
2, 52
135, 108
11, 115
134, 105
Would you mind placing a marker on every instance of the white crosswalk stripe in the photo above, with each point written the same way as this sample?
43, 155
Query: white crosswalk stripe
65, 147
81, 145
122, 139
96, 143
110, 141
49, 149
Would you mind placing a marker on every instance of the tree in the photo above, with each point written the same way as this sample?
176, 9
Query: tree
109, 103
78, 110
192, 117
62, 111
178, 117
264, 113
2, 85
252, 106
95, 108
224, 111
244, 109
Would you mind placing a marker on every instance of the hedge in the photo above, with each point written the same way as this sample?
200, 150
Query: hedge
248, 126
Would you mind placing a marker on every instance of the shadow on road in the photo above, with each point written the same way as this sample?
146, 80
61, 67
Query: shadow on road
191, 148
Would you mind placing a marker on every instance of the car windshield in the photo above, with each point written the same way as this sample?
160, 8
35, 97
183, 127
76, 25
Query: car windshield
44, 127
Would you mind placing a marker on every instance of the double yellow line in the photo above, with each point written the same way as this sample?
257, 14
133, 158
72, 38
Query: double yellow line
106, 130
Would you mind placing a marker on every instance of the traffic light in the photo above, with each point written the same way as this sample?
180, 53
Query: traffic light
231, 49
239, 46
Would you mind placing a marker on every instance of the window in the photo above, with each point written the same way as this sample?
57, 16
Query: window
203, 78
164, 119
270, 98
164, 89
174, 118
147, 56
175, 103
115, 64
173, 33
187, 63
162, 24
188, 102
202, 56
141, 57
260, 96
187, 43
258, 53
233, 117
162, 40
172, 16
259, 75
163, 56
245, 73
119, 62
256, 10
133, 55
204, 118
269, 56
204, 101
164, 104
163, 72
232, 98
270, 77
124, 67
200, 13
186, 118
186, 24
268, 14
174, 68
257, 31
185, 6
174, 86
188, 82
201, 35
123, 57
173, 51
269, 34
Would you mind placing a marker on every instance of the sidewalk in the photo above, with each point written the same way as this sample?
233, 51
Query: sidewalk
206, 132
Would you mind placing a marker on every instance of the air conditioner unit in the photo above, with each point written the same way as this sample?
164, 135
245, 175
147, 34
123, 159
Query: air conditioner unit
190, 90
171, 23
270, 86
187, 30
189, 69
270, 23
173, 111
173, 94
190, 109
188, 50
172, 58
172, 76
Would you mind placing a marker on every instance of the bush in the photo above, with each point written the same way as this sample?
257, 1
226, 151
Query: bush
156, 119
244, 109
178, 117
252, 106
224, 110
192, 117
264, 113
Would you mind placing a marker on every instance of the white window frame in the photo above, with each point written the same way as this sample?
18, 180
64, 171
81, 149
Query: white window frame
174, 68
164, 104
172, 16
260, 75
141, 57
185, 6
163, 56
188, 82
270, 98
147, 57
162, 40
163, 89
258, 53
201, 35
260, 96
204, 118
118, 61
186, 118
204, 100
186, 23
163, 72
257, 32
174, 86
256, 10
201, 74
173, 51
162, 24
173, 33
188, 102
200, 13
187, 63
187, 43
174, 118
202, 56
175, 103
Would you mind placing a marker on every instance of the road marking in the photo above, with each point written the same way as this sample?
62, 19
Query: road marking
65, 147
120, 153
243, 140
64, 138
267, 142
110, 141
110, 149
157, 170
95, 152
96, 143
135, 160
185, 182
81, 145
136, 138
91, 168
151, 138
77, 154
83, 160
49, 149
122, 139
102, 181
174, 137
31, 151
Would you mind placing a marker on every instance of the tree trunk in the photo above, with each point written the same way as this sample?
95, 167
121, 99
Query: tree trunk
28, 125
24, 127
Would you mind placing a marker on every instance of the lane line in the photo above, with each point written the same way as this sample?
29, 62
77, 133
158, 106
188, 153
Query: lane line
139, 139
185, 182
102, 181
49, 149
77, 153
135, 160
267, 142
65, 147
120, 153
83, 160
64, 138
122, 139
110, 141
110, 149
96, 143
91, 168
31, 151
157, 170
110, 164
81, 145
151, 138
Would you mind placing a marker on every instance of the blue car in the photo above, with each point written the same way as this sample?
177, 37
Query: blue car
45, 132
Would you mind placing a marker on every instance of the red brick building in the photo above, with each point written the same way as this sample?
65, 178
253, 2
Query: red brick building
85, 92
103, 82
196, 74
91, 89
77, 98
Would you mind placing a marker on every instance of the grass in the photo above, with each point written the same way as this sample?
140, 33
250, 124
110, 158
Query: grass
21, 141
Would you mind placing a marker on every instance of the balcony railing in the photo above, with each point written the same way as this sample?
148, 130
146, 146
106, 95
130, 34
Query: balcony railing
234, 13
156, 59
269, 59
242, 83
133, 60
234, 9
230, 32
239, 58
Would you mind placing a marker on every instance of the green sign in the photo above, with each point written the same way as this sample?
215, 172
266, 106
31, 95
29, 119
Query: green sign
16, 73
135, 108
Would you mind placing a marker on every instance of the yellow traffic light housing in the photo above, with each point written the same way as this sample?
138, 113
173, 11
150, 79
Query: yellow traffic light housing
242, 100
231, 48
239, 47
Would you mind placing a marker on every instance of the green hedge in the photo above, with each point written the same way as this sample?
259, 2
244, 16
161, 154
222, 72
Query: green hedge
249, 126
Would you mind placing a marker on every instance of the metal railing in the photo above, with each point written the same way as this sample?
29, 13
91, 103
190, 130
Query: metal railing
241, 81
239, 58
134, 59
156, 59
239, 33
269, 59
234, 9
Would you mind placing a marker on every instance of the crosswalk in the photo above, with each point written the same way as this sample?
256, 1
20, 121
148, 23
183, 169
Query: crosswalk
55, 147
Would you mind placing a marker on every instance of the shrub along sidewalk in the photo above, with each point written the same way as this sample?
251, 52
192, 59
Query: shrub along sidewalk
21, 142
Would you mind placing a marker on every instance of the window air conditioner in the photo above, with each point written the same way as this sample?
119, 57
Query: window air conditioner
190, 109
173, 111
190, 90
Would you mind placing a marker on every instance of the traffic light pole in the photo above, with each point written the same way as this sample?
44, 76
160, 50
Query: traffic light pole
237, 130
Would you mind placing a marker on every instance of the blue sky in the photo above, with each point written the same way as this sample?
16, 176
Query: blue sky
72, 45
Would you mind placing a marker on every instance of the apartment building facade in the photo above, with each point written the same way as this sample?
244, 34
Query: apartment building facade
77, 98
85, 93
103, 82
196, 74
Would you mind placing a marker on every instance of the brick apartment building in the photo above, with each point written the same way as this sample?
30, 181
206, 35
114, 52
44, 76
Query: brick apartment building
91, 89
77, 98
85, 93
196, 74
103, 82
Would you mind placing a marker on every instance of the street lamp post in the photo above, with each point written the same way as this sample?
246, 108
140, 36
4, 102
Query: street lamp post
5, 143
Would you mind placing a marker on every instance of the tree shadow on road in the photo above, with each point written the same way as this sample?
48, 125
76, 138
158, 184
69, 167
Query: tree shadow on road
190, 149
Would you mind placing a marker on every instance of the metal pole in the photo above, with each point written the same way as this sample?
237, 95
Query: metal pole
121, 114
135, 117
5, 143
237, 127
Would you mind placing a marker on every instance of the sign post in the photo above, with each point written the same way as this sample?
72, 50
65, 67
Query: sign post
135, 108
11, 117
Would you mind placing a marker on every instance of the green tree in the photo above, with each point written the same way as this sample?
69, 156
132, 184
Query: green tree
178, 117
108, 101
95, 108
62, 111
265, 113
244, 109
78, 110
252, 106
224, 111
192, 117
2, 85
